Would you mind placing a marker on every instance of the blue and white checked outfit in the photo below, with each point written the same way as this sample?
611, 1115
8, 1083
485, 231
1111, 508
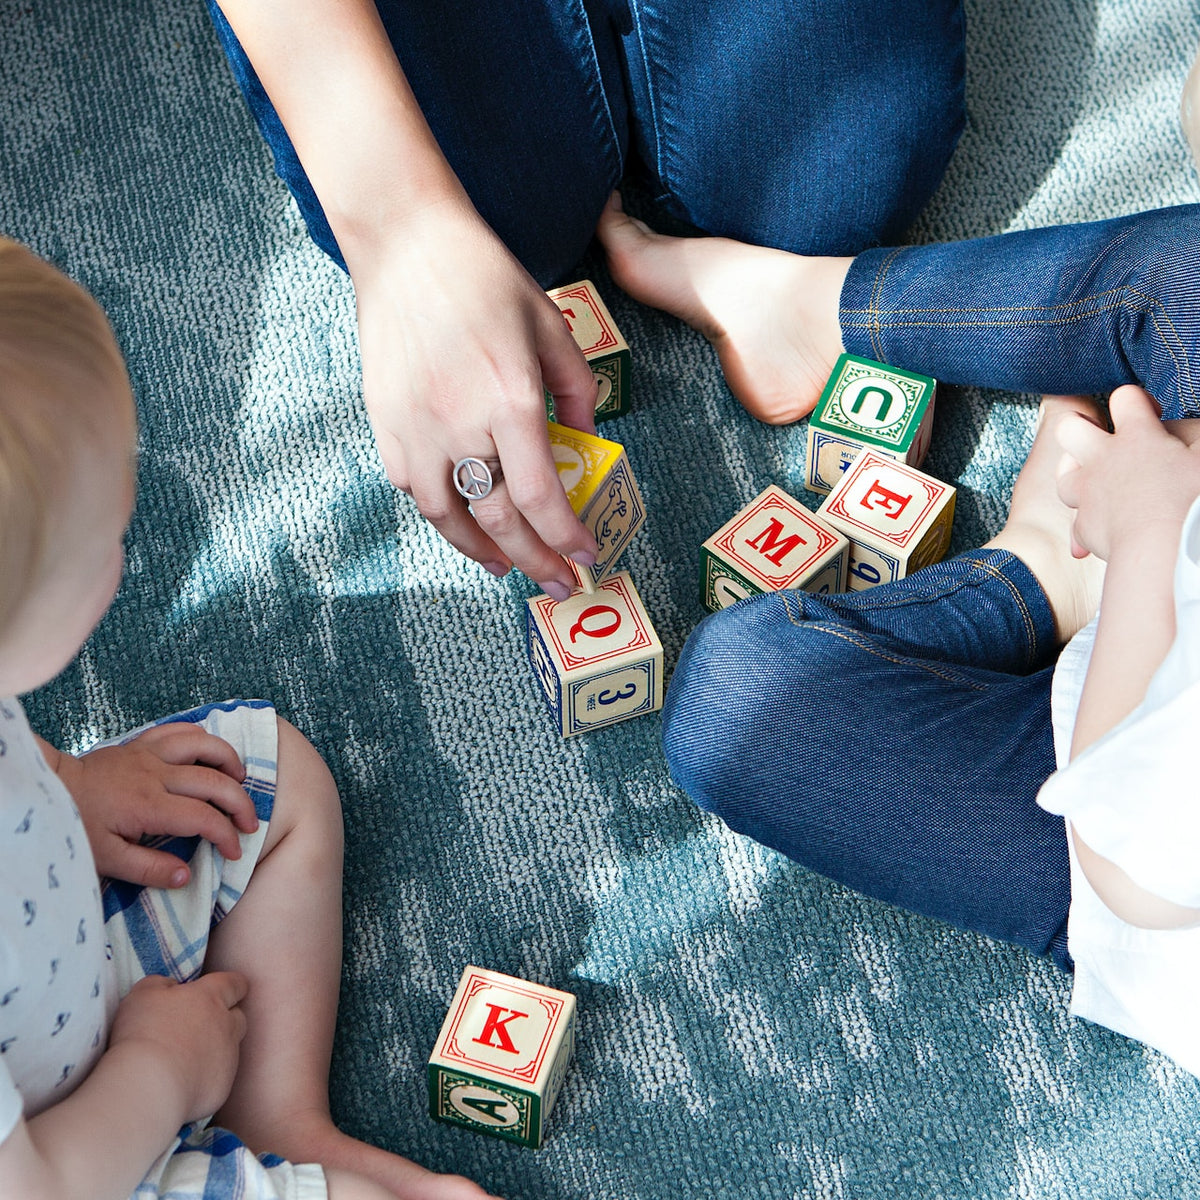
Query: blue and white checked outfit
71, 948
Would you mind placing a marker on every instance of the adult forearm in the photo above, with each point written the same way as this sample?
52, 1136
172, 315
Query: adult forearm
1065, 309
330, 70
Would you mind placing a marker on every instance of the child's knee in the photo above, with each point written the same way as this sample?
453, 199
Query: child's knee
306, 793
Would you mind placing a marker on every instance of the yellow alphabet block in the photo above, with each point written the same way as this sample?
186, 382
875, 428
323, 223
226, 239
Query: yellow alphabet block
599, 483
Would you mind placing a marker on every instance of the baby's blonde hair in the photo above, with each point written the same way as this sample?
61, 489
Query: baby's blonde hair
58, 357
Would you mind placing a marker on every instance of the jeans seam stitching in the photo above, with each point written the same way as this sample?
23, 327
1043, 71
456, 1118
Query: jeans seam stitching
874, 326
990, 569
898, 660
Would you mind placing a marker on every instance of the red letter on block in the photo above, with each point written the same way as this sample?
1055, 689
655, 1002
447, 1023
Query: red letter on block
889, 498
495, 1024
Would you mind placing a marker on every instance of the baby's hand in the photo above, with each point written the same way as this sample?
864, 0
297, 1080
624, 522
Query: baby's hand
176, 780
194, 1030
1129, 486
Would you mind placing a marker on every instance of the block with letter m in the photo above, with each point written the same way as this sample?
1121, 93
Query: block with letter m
772, 544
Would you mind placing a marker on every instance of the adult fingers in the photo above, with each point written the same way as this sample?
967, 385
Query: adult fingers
565, 373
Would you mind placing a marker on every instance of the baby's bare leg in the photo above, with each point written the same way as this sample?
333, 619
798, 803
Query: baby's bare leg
772, 316
285, 936
1038, 530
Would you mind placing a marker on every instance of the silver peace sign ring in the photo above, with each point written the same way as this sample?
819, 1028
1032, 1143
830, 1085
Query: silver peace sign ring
474, 478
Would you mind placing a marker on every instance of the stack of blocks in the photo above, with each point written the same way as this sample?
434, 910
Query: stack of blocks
596, 655
881, 518
500, 1059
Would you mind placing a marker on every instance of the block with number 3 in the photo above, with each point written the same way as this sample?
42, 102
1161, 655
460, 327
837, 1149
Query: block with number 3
897, 518
772, 544
595, 655
499, 1061
597, 335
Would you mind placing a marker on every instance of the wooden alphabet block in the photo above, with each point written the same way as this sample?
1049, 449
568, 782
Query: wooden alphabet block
772, 544
595, 655
866, 404
597, 335
597, 478
897, 518
500, 1059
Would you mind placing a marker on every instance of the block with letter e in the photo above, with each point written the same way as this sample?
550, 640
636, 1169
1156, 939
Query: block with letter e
771, 544
595, 655
599, 483
499, 1062
897, 518
597, 335
866, 405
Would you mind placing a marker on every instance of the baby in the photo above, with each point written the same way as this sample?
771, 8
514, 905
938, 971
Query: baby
145, 990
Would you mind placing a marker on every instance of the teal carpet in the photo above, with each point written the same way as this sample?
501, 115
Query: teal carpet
746, 1030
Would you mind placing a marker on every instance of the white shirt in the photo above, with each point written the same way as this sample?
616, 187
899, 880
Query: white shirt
57, 990
1134, 797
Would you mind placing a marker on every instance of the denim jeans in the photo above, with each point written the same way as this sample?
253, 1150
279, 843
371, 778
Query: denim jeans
819, 127
893, 740
1071, 308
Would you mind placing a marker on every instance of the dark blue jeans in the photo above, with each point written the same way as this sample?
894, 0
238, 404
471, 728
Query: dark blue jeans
820, 127
893, 740
1070, 308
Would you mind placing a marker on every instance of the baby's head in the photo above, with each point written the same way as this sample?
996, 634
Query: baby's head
67, 445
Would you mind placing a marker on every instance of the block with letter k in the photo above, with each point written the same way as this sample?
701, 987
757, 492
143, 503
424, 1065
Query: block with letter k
501, 1056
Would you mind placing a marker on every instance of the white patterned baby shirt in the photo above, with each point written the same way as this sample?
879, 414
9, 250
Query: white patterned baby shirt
57, 989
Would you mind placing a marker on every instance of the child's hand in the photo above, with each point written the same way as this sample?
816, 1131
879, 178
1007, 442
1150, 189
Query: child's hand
176, 780
1132, 485
195, 1029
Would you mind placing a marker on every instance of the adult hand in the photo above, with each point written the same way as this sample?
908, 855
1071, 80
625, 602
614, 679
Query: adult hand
457, 340
176, 780
193, 1029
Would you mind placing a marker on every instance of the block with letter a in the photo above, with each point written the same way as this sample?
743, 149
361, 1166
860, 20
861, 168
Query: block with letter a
599, 483
866, 405
772, 544
595, 655
499, 1062
897, 518
597, 335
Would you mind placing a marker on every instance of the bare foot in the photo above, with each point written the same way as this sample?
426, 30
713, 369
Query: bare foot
1038, 530
771, 316
314, 1138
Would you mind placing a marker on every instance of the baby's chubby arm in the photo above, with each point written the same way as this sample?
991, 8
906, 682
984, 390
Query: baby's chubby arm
1131, 490
176, 780
172, 1058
